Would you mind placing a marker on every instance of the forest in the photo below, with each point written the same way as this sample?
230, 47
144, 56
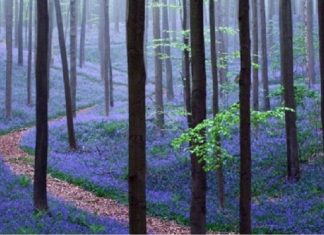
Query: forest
161, 116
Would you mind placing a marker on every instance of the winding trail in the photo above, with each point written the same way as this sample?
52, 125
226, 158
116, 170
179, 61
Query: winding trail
17, 160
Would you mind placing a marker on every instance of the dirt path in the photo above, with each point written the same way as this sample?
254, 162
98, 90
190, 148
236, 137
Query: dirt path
16, 158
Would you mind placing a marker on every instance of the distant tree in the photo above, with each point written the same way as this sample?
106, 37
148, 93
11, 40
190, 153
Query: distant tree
320, 6
308, 6
83, 32
9, 24
116, 15
41, 149
137, 123
287, 75
186, 62
245, 118
167, 50
73, 52
158, 66
65, 70
50, 39
20, 33
198, 107
16, 17
264, 55
213, 55
30, 54
255, 57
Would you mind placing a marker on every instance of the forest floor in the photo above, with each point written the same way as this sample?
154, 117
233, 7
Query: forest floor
17, 159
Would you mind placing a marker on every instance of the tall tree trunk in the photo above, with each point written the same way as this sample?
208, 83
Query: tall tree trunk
199, 184
116, 15
173, 19
167, 50
83, 32
287, 74
158, 66
213, 55
255, 55
186, 63
40, 192
65, 70
320, 6
30, 54
9, 24
245, 118
16, 7
310, 41
50, 40
73, 51
137, 123
20, 33
264, 65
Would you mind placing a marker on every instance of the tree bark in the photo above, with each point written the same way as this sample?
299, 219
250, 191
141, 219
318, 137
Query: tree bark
20, 33
137, 123
65, 70
245, 118
320, 6
309, 42
9, 24
158, 67
255, 57
40, 192
287, 74
30, 53
167, 50
264, 64
198, 106
83, 31
73, 51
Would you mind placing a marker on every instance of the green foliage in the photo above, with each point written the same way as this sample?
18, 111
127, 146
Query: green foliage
301, 92
24, 181
204, 138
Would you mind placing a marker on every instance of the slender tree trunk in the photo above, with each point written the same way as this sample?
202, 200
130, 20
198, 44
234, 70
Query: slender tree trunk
20, 33
83, 32
16, 7
65, 69
50, 41
158, 67
320, 9
167, 50
30, 54
73, 50
287, 74
213, 55
40, 192
199, 184
173, 19
264, 52
245, 119
137, 123
310, 41
255, 55
9, 24
186, 63
116, 15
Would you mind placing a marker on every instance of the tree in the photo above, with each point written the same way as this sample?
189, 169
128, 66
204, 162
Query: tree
82, 34
9, 24
167, 50
30, 54
245, 118
264, 55
320, 6
20, 33
287, 74
158, 66
40, 193
198, 107
137, 123
65, 69
309, 41
186, 63
255, 60
73, 51
213, 55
